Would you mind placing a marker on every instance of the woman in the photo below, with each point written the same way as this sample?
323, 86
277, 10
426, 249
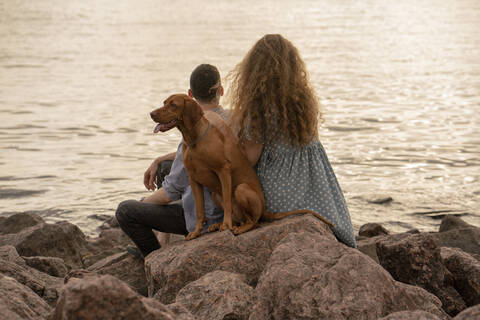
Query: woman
275, 113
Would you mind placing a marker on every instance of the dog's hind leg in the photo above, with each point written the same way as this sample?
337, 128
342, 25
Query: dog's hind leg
250, 206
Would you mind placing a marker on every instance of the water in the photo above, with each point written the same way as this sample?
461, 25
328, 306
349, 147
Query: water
399, 83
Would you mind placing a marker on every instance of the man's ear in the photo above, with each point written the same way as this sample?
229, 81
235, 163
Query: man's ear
190, 94
192, 113
220, 91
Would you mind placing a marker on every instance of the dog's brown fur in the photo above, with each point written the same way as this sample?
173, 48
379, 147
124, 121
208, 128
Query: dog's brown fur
213, 158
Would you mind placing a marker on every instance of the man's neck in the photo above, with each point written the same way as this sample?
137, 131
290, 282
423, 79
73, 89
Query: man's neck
208, 106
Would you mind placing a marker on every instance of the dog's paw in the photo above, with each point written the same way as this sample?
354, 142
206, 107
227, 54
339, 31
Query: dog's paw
192, 235
225, 226
214, 227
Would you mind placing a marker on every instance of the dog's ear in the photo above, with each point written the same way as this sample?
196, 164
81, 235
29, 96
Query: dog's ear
192, 112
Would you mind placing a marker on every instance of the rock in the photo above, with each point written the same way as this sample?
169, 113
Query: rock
416, 260
410, 315
19, 221
379, 199
451, 223
62, 240
372, 229
466, 272
170, 269
126, 268
9, 253
78, 274
18, 302
218, 295
368, 246
309, 276
50, 265
472, 313
181, 312
109, 242
109, 223
106, 298
42, 284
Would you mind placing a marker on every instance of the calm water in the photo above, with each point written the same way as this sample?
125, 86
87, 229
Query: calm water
399, 82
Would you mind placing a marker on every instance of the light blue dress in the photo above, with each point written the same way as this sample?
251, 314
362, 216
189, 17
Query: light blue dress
302, 178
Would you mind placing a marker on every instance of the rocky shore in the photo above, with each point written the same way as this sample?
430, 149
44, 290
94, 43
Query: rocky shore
288, 269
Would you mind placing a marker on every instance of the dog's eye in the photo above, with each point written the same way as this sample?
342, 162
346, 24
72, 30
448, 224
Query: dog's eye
171, 105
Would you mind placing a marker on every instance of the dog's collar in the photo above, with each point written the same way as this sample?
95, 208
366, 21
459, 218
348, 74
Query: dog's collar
191, 145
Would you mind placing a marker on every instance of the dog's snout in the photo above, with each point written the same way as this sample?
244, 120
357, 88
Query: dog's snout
152, 114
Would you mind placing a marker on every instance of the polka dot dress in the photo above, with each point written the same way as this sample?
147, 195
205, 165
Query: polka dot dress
302, 178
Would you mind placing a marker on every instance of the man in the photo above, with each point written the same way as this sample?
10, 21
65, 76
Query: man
138, 218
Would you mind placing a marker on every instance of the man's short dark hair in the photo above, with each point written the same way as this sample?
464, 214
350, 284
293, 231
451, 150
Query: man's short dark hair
205, 82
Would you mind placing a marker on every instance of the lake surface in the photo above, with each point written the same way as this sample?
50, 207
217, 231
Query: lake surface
399, 83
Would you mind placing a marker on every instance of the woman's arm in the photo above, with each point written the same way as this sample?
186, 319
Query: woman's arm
252, 150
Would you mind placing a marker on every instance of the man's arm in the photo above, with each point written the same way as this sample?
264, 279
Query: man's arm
158, 197
150, 176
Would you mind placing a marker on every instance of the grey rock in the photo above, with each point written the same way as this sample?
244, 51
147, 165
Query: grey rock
472, 313
451, 223
372, 230
19, 221
9, 253
410, 315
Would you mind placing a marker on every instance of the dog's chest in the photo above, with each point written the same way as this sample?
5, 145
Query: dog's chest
200, 169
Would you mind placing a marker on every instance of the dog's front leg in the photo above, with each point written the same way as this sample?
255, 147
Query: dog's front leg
225, 176
197, 191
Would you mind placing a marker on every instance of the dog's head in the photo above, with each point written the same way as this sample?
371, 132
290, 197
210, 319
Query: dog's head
179, 110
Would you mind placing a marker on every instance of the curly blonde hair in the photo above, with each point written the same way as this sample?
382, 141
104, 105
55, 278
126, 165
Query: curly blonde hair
271, 96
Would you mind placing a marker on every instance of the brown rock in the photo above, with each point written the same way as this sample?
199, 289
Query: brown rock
368, 246
109, 242
309, 276
18, 302
218, 295
126, 268
372, 230
472, 313
50, 265
410, 315
106, 298
170, 269
42, 284
78, 274
19, 221
416, 260
466, 272
466, 238
451, 223
62, 240
109, 223
9, 253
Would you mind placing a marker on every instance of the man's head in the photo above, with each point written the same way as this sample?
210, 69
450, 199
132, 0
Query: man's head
205, 84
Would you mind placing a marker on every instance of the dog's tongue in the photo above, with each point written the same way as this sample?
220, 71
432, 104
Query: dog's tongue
158, 127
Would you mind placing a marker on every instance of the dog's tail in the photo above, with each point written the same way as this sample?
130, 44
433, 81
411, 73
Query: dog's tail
279, 215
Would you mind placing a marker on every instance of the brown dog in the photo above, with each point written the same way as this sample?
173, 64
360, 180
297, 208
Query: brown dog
213, 158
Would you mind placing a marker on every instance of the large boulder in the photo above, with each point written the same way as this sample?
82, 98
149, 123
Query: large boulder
309, 276
42, 284
18, 302
466, 272
19, 221
62, 239
169, 269
50, 265
472, 313
218, 295
125, 267
416, 260
107, 298
452, 222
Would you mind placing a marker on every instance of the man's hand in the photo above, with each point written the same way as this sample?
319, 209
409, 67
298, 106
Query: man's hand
150, 176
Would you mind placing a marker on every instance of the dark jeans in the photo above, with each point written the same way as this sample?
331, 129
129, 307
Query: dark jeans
137, 219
